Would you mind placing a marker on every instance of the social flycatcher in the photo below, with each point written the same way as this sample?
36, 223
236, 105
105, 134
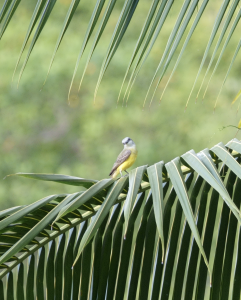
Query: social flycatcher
125, 159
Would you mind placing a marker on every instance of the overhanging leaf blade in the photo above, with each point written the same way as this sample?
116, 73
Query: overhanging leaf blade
175, 37
211, 39
65, 179
72, 8
93, 20
11, 12
4, 9
122, 21
224, 29
44, 17
101, 28
37, 10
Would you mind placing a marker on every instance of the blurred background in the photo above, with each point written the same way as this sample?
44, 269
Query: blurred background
41, 133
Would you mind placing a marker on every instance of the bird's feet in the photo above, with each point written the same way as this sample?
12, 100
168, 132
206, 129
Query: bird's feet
124, 175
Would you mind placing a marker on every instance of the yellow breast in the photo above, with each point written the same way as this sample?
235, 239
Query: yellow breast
127, 164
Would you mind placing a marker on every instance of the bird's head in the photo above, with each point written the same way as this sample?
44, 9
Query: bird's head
128, 142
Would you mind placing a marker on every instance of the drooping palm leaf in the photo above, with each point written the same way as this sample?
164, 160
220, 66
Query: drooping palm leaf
66, 179
157, 15
216, 26
224, 29
191, 205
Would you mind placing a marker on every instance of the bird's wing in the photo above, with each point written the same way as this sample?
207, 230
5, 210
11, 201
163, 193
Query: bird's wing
122, 157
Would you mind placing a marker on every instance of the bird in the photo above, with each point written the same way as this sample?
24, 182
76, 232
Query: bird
125, 159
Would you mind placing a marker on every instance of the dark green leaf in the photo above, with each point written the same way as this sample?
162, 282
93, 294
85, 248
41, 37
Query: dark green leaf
139, 250
30, 279
148, 256
116, 250
155, 178
86, 271
106, 254
20, 285
126, 250
40, 289
10, 292
76, 270
1, 290
68, 261
230, 239
59, 269
50, 272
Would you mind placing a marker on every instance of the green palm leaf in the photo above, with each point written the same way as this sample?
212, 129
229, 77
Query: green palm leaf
217, 23
91, 26
121, 26
37, 11
72, 8
49, 5
71, 180
4, 9
9, 8
224, 29
183, 202
157, 16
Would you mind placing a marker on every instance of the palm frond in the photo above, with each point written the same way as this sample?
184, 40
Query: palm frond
157, 16
171, 231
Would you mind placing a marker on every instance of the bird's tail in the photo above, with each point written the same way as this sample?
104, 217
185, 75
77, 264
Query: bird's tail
113, 174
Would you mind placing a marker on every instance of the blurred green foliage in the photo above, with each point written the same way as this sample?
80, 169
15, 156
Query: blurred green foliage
41, 133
